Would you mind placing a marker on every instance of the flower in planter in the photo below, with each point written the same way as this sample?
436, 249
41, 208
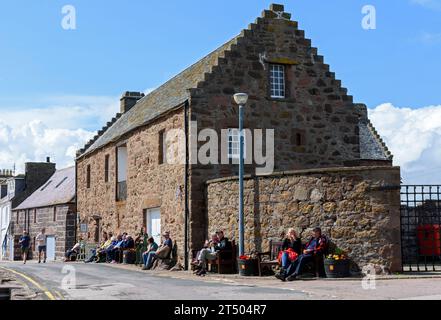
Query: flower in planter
337, 255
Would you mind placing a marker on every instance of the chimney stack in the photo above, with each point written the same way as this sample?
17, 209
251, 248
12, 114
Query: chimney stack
129, 99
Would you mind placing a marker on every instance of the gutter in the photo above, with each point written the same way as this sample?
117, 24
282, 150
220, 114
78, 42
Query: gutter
186, 174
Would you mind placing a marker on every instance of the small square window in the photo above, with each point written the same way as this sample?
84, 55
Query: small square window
277, 80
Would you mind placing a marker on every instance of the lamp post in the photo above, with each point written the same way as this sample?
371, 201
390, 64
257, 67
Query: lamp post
241, 99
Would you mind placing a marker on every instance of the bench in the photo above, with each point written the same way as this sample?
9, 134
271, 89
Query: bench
85, 249
272, 255
316, 267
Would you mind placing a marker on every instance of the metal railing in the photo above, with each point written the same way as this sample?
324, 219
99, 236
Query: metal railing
421, 227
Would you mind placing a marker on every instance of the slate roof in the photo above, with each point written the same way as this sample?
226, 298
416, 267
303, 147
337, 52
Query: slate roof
372, 146
167, 97
59, 189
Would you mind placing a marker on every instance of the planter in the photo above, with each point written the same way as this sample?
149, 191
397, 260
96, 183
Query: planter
337, 268
248, 268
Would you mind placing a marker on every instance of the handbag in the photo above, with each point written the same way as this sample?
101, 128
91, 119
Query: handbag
292, 255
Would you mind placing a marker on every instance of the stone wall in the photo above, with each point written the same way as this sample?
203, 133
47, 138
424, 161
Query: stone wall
62, 227
357, 208
149, 185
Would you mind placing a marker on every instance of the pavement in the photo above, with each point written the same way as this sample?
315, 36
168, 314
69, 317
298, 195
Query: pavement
80, 281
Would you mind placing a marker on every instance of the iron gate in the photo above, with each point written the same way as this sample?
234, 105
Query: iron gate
420, 227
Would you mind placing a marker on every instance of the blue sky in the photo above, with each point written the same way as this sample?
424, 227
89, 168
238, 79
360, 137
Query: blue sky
139, 44
47, 72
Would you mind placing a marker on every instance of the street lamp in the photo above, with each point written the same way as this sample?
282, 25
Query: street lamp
241, 99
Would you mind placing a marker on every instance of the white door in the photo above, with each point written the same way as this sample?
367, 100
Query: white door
50, 247
154, 224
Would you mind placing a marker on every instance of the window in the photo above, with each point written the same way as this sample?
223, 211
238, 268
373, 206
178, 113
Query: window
298, 138
46, 185
277, 80
88, 176
106, 168
121, 172
35, 215
55, 213
61, 182
162, 149
234, 144
18, 217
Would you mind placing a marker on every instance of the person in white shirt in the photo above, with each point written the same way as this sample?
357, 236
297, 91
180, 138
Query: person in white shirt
41, 241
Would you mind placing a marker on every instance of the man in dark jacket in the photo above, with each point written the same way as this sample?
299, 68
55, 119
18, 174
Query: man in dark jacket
317, 245
218, 244
224, 243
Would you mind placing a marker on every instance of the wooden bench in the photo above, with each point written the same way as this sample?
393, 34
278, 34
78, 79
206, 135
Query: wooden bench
316, 267
272, 255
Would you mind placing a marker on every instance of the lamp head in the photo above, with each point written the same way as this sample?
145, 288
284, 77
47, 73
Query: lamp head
241, 98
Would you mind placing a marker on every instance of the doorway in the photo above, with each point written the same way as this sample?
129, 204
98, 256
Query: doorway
50, 247
153, 221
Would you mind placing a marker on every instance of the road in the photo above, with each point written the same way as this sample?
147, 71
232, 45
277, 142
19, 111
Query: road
106, 282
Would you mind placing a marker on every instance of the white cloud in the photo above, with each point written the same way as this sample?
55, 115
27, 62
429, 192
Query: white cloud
57, 130
414, 138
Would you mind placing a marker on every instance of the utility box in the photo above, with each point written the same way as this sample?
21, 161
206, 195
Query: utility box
429, 240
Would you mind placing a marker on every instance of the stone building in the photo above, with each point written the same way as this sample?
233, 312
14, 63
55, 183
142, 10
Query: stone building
14, 190
125, 177
9, 186
51, 206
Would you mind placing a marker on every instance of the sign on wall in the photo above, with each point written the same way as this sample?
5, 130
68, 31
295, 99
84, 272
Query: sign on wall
84, 227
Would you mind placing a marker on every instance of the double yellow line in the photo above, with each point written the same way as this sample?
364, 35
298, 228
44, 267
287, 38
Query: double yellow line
35, 283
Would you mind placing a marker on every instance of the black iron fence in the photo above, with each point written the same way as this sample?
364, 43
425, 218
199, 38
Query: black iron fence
421, 227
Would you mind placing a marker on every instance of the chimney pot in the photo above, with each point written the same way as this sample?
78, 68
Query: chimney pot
129, 99
277, 7
48, 159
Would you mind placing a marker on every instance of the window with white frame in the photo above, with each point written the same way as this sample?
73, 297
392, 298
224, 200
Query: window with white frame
277, 80
234, 144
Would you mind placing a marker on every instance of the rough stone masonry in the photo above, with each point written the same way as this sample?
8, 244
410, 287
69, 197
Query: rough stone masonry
357, 208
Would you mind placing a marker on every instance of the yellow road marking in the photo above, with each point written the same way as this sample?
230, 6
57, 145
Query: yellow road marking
35, 283
59, 295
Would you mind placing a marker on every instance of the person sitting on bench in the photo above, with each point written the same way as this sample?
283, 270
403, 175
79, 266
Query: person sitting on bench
223, 244
115, 252
94, 252
163, 252
74, 251
152, 246
292, 246
208, 252
316, 246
